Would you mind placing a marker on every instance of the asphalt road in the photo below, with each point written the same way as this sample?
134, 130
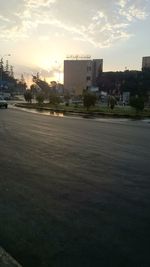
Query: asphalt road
74, 192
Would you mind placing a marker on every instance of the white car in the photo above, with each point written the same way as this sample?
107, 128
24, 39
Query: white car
3, 103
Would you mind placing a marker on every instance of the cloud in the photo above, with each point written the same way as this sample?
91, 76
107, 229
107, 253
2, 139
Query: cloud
39, 3
132, 10
29, 72
99, 22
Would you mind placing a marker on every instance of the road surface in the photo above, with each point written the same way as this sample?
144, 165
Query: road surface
74, 192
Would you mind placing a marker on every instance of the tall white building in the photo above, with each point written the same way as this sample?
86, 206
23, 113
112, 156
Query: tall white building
146, 63
81, 74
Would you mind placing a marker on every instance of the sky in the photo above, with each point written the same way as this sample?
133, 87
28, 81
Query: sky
39, 34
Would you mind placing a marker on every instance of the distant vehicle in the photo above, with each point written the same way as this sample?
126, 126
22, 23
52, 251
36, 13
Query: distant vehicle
3, 103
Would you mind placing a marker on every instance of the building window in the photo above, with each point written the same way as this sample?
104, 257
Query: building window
88, 78
89, 68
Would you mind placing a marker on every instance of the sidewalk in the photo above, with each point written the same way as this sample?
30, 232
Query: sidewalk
6, 260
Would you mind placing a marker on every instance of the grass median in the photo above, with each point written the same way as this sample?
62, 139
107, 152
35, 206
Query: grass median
118, 111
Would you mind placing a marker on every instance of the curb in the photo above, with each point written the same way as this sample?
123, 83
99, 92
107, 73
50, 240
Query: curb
6, 260
91, 114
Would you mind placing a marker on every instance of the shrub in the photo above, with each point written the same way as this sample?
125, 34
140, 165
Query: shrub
89, 100
137, 102
40, 98
28, 96
54, 99
111, 102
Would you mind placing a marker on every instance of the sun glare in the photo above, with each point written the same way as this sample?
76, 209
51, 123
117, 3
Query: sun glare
53, 67
45, 64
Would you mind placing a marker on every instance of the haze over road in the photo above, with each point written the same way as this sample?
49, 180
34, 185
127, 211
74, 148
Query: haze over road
74, 192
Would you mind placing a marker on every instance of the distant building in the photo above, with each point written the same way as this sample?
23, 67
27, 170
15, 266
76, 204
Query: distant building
81, 74
146, 63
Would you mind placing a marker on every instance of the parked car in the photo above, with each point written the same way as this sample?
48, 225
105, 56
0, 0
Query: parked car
3, 103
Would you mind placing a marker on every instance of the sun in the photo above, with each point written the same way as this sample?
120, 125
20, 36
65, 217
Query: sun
45, 63
52, 65
48, 62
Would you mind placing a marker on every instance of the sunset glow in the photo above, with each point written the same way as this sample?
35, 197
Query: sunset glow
39, 34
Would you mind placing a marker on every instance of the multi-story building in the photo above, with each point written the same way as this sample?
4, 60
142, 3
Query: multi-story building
81, 74
146, 63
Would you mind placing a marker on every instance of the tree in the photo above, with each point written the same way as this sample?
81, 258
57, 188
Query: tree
54, 99
137, 102
67, 98
38, 76
34, 90
21, 85
22, 79
1, 64
42, 85
7, 66
89, 100
40, 98
28, 96
111, 101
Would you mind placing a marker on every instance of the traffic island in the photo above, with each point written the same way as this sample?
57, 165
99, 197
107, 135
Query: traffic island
80, 111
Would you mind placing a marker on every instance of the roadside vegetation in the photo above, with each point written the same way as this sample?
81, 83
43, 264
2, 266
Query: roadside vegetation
44, 97
91, 107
